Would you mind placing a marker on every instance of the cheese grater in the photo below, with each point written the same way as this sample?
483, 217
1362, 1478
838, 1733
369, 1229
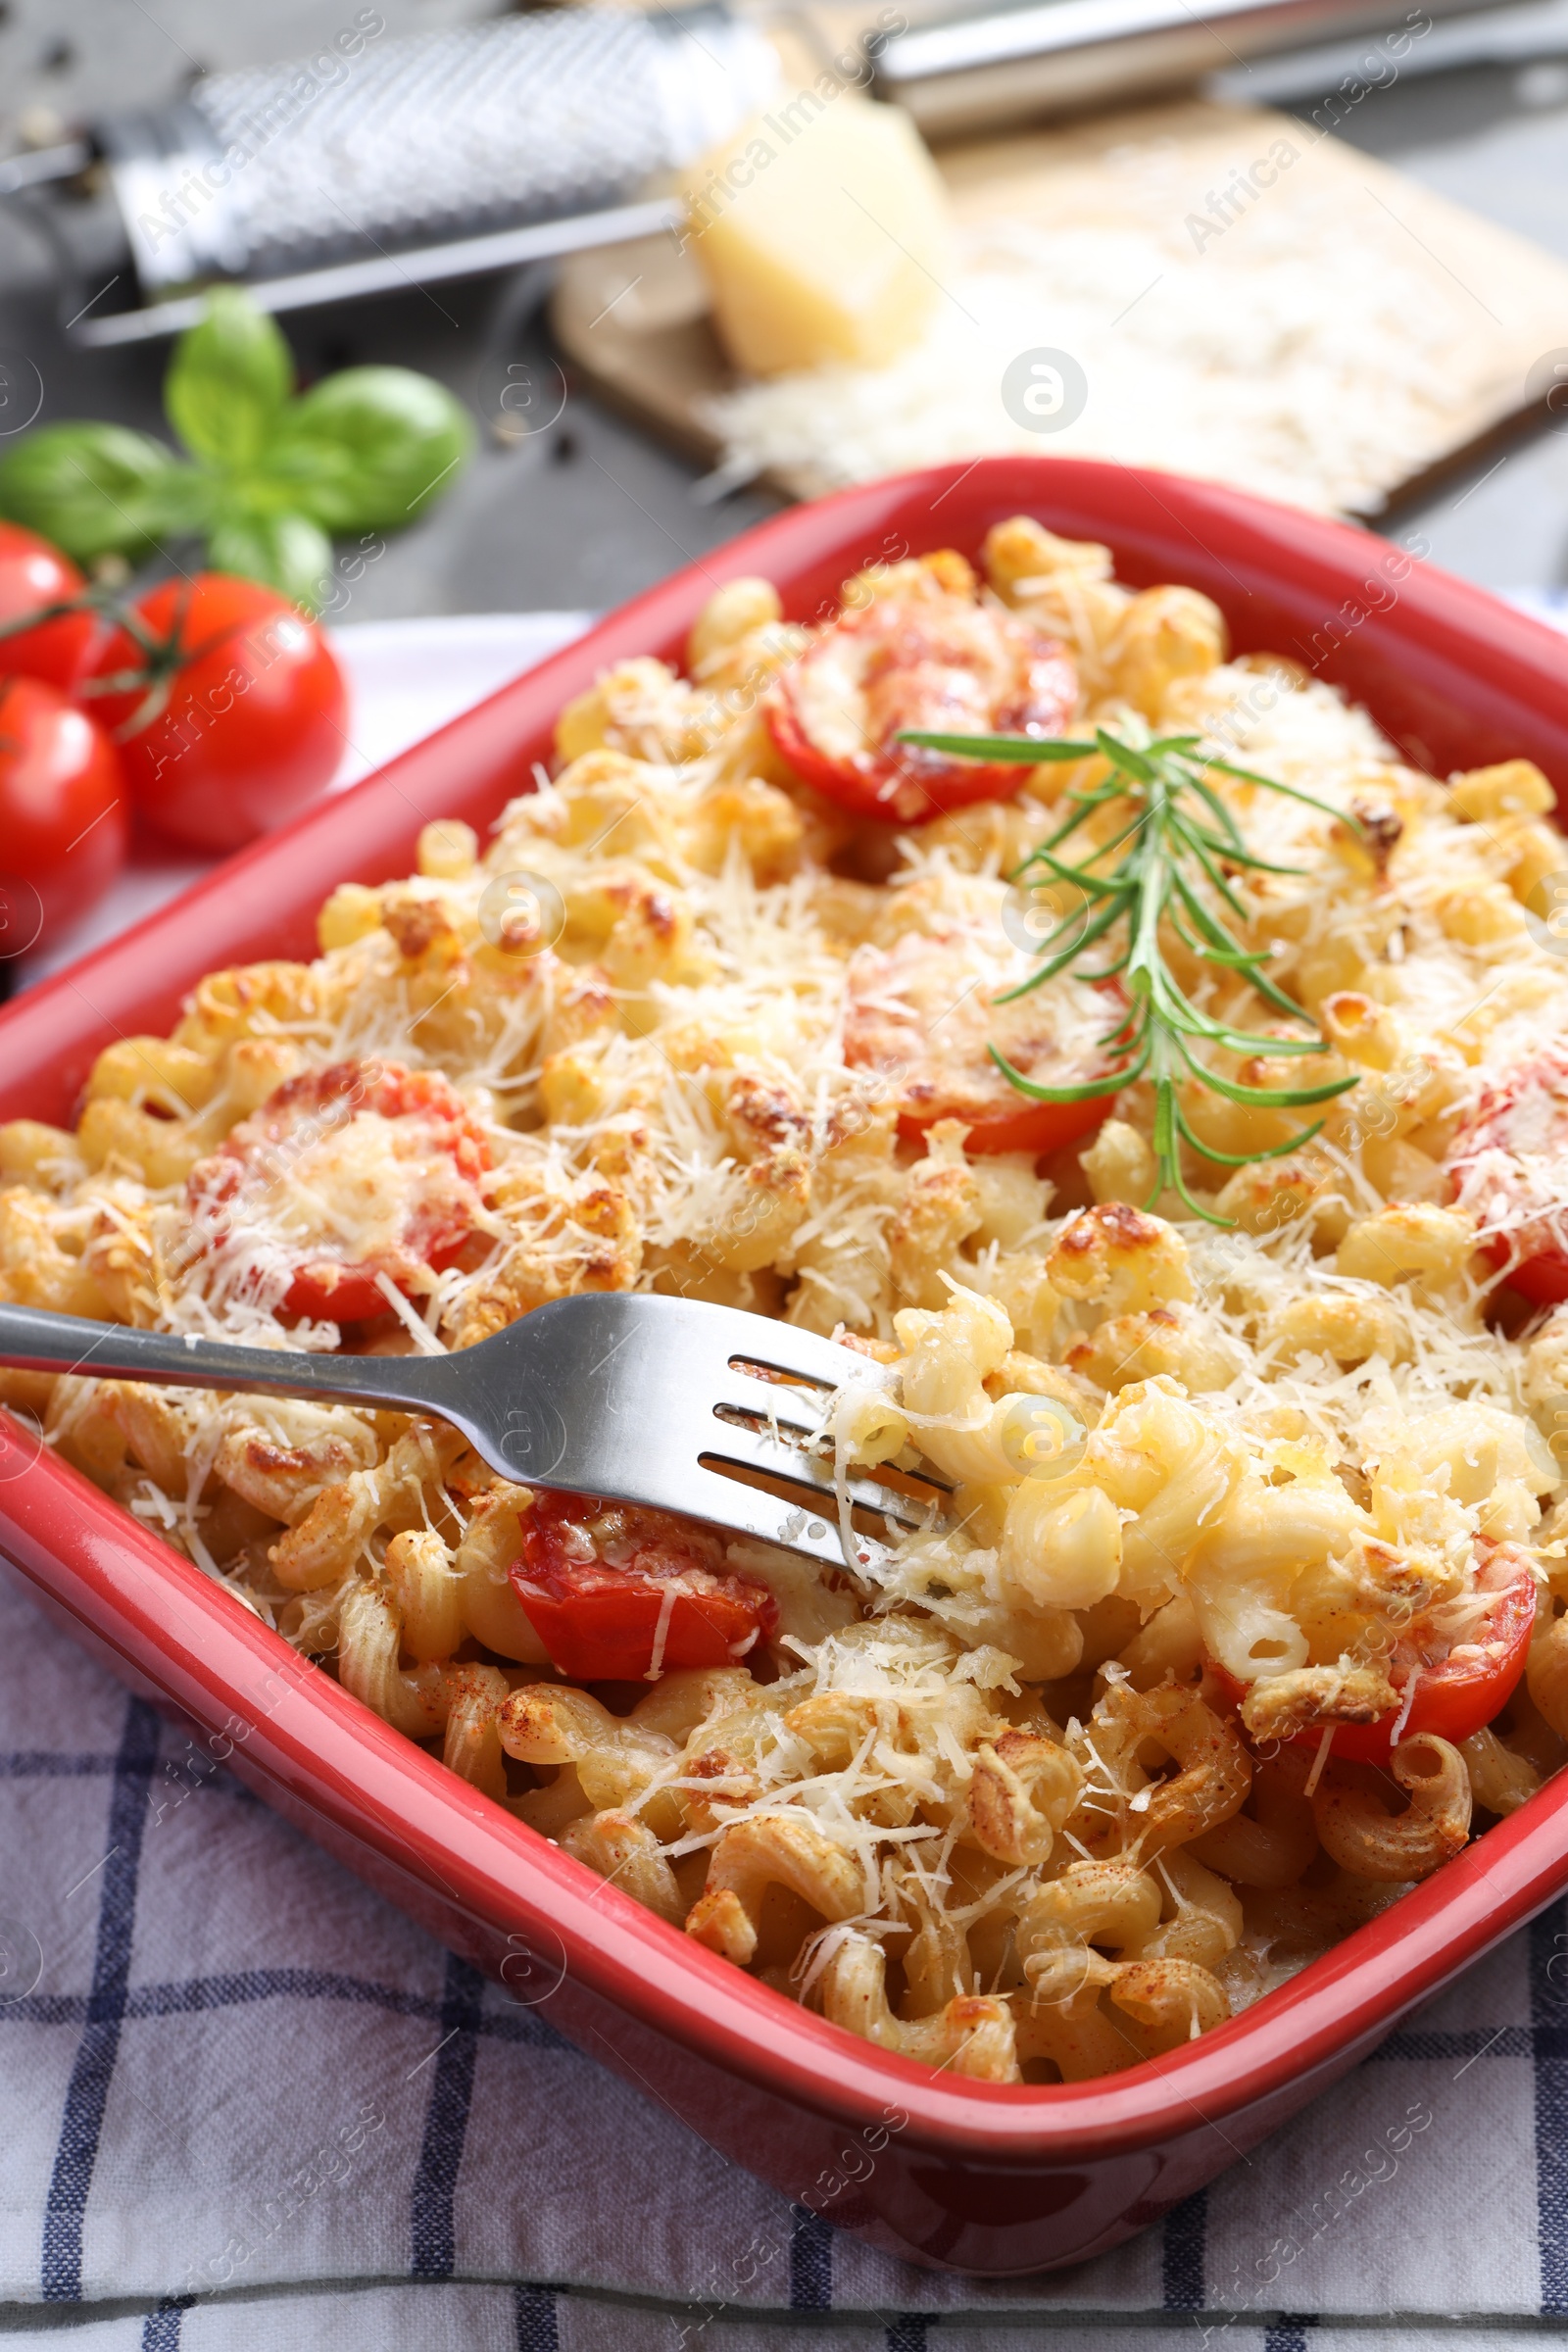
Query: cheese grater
468, 148
489, 145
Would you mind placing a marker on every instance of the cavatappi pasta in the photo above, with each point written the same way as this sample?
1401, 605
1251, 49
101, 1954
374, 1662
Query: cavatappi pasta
1052, 1788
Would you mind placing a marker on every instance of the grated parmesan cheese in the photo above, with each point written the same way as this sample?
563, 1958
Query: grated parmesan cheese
698, 1087
1300, 352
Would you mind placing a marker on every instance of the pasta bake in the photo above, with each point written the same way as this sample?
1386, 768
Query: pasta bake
1156, 1082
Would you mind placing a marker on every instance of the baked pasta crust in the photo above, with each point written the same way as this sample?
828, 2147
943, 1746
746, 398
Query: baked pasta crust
1049, 1792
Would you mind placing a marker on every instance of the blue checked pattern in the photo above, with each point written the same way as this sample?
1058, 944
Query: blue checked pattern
248, 2108
247, 2102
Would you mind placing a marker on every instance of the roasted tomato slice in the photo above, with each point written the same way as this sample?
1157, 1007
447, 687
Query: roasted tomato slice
1541, 1277
617, 1593
363, 1169
929, 660
1511, 1159
924, 1012
1459, 1687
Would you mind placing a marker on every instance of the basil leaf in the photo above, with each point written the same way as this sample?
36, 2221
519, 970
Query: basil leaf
228, 382
94, 489
367, 449
287, 552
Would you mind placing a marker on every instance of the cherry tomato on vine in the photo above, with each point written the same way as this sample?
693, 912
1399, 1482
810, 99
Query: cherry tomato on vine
932, 662
620, 1594
228, 704
64, 821
34, 575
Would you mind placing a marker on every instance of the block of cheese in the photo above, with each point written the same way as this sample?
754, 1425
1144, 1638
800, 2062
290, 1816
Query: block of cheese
821, 228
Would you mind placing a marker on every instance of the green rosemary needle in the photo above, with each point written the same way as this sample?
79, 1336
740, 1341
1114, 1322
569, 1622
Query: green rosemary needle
1166, 863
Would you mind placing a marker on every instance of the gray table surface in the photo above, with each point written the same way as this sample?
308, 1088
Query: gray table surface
592, 510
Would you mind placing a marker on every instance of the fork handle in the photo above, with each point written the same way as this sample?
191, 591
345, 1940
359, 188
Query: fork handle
32, 1339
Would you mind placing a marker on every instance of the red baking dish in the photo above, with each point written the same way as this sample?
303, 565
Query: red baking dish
961, 2175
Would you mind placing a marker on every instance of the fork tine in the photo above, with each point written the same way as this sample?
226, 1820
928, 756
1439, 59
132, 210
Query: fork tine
792, 1408
758, 1340
811, 1440
631, 1397
754, 1450
793, 1527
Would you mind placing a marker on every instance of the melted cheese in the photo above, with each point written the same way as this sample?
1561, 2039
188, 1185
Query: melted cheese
924, 1010
690, 1088
694, 1087
357, 1191
830, 693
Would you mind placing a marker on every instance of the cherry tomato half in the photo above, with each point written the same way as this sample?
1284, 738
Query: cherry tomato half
63, 822
1518, 1136
33, 574
363, 1169
618, 1593
1542, 1278
233, 721
929, 660
1457, 1690
925, 1012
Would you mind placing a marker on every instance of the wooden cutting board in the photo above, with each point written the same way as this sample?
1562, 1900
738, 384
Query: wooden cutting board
1458, 311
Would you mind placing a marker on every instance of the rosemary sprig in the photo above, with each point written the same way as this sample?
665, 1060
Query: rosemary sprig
1171, 861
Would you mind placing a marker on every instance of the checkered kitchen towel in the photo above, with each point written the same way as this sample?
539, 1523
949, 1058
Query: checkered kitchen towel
245, 2105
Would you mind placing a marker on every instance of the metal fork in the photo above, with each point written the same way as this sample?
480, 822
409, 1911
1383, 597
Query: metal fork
638, 1399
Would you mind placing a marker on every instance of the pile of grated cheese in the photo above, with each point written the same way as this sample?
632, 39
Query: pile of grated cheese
1307, 348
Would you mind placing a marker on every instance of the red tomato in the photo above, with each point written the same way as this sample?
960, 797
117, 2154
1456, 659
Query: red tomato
233, 721
1035, 1127
32, 574
1512, 1152
63, 822
1542, 1278
926, 661
617, 1593
1457, 1688
925, 1013
363, 1169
